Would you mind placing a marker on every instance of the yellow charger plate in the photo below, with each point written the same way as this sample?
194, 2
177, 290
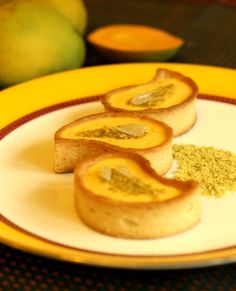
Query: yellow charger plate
29, 97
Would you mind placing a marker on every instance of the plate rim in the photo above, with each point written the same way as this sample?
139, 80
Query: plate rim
26, 97
77, 255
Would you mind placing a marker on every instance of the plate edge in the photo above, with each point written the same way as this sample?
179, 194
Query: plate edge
210, 258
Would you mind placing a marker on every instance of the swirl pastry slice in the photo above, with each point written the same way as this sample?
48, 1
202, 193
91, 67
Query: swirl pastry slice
121, 195
169, 97
110, 132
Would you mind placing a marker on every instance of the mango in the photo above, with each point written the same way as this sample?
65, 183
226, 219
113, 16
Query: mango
134, 42
36, 40
74, 10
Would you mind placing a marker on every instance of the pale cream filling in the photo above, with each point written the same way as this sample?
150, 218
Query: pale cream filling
122, 99
155, 133
94, 181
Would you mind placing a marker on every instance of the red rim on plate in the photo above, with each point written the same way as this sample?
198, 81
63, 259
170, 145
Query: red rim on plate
214, 257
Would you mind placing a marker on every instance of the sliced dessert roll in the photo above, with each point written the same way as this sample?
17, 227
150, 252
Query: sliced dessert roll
169, 97
121, 195
109, 132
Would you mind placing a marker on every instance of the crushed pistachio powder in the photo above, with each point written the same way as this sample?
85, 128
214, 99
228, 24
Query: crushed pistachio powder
130, 184
105, 132
118, 132
153, 98
214, 169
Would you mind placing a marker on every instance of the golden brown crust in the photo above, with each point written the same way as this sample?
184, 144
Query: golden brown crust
160, 73
162, 113
186, 187
66, 150
168, 130
138, 220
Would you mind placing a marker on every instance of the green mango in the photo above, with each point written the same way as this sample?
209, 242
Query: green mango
74, 10
36, 40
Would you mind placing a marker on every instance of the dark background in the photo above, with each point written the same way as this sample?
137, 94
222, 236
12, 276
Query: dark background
208, 27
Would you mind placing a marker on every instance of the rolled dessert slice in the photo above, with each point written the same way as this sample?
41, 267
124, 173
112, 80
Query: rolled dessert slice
169, 97
110, 132
121, 195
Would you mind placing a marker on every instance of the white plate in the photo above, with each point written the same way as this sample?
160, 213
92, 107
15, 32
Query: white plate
40, 202
27, 156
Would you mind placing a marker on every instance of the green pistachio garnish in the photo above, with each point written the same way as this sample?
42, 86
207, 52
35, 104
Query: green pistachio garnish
154, 97
120, 179
125, 131
214, 169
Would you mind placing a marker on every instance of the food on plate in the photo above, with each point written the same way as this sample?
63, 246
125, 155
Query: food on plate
214, 169
121, 195
169, 97
134, 42
111, 132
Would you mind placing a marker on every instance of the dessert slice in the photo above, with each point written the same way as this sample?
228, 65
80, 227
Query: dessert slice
121, 195
169, 97
109, 132
134, 42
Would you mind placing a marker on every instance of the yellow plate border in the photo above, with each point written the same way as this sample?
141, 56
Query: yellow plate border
64, 87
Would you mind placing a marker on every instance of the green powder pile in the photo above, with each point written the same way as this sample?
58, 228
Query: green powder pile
131, 185
214, 169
